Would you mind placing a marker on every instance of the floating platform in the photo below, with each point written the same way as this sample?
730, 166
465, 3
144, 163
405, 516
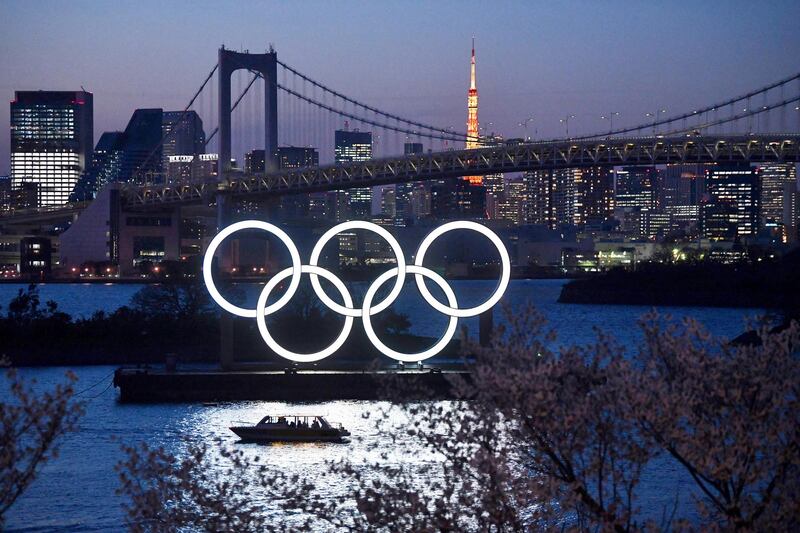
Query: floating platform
139, 385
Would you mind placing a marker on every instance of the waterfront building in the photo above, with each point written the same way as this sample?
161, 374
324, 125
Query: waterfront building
52, 136
353, 146
567, 205
732, 208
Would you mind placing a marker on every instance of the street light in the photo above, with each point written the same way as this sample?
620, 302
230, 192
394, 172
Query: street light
655, 117
565, 121
610, 118
524, 125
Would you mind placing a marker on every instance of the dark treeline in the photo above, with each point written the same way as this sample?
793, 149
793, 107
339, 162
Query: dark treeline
179, 319
771, 285
160, 319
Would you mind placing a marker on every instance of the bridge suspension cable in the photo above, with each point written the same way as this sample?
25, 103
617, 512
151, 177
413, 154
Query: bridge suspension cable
233, 107
749, 113
169, 133
450, 135
447, 136
697, 112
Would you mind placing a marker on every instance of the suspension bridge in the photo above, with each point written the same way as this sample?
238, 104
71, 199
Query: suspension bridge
748, 128
762, 125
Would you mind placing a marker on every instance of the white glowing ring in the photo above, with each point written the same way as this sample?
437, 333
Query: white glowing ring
398, 252
440, 344
262, 311
505, 275
251, 224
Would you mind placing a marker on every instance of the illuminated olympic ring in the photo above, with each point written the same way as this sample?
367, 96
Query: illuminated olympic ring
348, 310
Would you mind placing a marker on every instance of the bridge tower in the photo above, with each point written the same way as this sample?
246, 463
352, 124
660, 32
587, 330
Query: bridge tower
267, 65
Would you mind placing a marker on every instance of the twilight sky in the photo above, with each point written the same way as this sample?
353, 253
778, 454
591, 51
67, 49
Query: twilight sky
545, 59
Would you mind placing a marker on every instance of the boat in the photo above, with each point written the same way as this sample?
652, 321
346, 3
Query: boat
288, 428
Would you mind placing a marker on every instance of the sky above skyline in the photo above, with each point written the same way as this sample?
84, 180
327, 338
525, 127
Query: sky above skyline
534, 58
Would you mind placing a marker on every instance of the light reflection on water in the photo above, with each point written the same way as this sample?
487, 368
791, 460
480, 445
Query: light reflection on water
76, 491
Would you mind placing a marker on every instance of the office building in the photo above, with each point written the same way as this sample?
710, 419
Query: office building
296, 157
52, 137
296, 206
636, 187
512, 204
538, 207
732, 208
183, 135
682, 184
353, 146
254, 161
773, 180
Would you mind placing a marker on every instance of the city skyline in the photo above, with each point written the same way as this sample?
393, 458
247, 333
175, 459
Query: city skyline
519, 77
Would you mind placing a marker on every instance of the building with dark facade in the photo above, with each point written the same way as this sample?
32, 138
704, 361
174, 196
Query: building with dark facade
731, 210
35, 257
183, 135
457, 198
51, 142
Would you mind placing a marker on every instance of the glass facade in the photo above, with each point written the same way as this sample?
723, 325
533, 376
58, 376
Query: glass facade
51, 142
353, 146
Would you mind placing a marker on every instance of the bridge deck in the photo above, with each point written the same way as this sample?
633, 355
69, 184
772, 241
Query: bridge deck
488, 160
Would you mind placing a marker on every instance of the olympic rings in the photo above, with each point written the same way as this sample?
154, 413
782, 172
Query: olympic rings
398, 253
233, 228
348, 310
261, 314
440, 344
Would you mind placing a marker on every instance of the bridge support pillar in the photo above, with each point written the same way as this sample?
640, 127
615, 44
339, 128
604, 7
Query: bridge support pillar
267, 66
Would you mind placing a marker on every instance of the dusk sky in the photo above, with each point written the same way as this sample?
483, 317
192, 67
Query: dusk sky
534, 58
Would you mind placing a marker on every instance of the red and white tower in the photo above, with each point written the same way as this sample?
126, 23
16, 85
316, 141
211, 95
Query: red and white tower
472, 115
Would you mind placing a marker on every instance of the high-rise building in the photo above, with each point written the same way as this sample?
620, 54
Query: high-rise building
297, 157
538, 207
596, 194
636, 187
105, 167
183, 135
254, 161
791, 212
296, 206
52, 137
457, 198
353, 146
388, 203
682, 184
567, 205
142, 152
473, 140
731, 210
512, 204
774, 177
403, 192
